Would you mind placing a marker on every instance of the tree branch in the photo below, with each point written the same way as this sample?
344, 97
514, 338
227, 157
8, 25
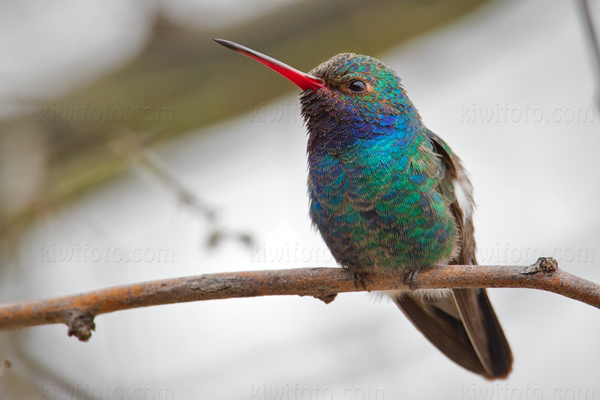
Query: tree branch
78, 311
593, 37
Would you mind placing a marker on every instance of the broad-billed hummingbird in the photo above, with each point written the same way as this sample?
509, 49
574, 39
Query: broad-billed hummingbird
386, 193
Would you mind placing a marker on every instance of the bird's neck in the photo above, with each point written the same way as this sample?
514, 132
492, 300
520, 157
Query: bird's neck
329, 136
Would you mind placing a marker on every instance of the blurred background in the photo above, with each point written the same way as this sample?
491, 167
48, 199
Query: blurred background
132, 148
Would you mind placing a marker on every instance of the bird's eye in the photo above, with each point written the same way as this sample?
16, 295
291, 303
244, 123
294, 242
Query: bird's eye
357, 86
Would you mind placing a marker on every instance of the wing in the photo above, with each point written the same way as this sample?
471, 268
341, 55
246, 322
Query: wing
463, 326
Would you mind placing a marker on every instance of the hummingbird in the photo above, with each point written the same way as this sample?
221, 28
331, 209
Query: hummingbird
388, 194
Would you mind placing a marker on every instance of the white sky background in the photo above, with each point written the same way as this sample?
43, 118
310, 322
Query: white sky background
536, 185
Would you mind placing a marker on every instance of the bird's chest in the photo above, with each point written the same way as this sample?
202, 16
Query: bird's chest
375, 207
353, 180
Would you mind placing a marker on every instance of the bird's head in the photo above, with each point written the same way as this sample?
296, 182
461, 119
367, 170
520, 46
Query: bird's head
358, 86
350, 95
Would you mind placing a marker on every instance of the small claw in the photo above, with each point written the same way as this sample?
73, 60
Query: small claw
359, 278
410, 279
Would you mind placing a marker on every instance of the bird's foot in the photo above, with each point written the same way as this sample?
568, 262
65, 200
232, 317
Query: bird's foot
410, 279
360, 278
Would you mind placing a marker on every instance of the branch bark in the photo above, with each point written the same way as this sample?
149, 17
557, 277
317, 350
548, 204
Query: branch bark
78, 311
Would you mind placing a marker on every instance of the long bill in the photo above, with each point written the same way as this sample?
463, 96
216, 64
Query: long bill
303, 80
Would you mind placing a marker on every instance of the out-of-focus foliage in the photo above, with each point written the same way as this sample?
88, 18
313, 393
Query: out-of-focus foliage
179, 83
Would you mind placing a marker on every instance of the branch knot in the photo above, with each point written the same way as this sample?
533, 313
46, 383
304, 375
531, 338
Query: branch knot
543, 264
81, 324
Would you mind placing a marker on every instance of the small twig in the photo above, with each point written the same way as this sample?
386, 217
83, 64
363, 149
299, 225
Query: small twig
78, 311
133, 148
4, 367
592, 34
